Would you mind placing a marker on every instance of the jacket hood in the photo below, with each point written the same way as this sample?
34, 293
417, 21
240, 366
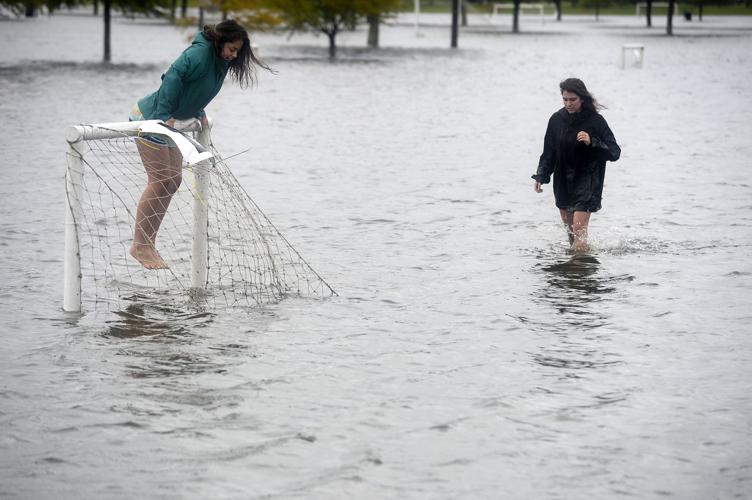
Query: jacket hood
200, 39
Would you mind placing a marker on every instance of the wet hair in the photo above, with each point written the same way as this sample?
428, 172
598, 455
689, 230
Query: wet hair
243, 67
576, 86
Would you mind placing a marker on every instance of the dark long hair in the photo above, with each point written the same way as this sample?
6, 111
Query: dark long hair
576, 86
243, 67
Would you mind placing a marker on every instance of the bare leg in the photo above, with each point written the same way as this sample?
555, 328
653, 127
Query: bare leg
163, 169
580, 221
567, 218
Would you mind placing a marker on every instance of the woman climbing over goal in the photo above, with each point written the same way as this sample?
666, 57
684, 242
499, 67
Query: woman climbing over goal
187, 87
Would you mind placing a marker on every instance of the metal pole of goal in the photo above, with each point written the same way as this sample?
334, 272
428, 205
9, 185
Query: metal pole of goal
72, 271
199, 255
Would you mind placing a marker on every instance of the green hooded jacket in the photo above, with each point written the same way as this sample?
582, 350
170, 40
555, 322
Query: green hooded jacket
189, 85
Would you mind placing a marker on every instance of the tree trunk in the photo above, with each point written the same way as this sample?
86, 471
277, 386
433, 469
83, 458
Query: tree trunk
699, 16
670, 20
96, 7
183, 8
597, 9
516, 17
463, 9
649, 12
373, 29
31, 10
455, 22
332, 43
173, 10
107, 52
557, 3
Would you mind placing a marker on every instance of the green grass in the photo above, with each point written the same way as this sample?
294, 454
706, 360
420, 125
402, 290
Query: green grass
444, 6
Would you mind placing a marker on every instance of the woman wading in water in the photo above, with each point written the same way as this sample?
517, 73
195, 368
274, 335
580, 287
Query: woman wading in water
577, 144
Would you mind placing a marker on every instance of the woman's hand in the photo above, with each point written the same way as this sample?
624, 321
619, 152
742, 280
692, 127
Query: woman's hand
170, 122
204, 123
537, 187
583, 136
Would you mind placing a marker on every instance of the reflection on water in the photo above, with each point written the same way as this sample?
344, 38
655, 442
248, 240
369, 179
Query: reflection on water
579, 290
143, 319
578, 274
171, 331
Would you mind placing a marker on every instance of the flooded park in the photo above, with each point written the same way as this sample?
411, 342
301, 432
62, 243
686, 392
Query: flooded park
466, 354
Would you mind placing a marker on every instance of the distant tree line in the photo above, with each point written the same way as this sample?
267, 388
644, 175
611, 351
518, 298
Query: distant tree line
329, 17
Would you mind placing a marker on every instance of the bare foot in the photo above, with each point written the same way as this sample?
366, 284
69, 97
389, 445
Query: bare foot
580, 247
148, 256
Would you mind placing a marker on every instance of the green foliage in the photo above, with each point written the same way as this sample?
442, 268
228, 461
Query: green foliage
592, 4
21, 6
147, 7
329, 16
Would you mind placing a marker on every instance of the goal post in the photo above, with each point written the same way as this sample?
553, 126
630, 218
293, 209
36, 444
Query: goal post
75, 135
214, 238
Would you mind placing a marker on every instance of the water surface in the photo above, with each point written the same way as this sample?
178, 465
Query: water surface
468, 355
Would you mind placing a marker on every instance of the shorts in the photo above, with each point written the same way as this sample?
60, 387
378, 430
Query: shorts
137, 116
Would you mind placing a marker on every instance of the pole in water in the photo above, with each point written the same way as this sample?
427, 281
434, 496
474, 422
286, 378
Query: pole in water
455, 22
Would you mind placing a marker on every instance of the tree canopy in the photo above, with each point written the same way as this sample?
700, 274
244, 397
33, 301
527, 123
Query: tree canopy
328, 16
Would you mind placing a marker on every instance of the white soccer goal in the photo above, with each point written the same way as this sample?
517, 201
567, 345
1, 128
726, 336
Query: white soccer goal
538, 8
221, 249
639, 6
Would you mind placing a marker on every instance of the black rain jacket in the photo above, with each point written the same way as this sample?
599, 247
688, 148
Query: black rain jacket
578, 169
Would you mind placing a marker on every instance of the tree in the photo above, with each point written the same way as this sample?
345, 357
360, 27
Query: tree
375, 12
253, 14
649, 12
29, 8
329, 16
326, 16
455, 27
148, 7
670, 19
597, 4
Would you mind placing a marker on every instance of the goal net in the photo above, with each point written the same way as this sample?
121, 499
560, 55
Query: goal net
221, 249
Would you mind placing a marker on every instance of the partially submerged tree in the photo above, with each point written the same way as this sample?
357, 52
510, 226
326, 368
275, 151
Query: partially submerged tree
670, 18
330, 16
30, 8
649, 13
597, 5
148, 7
325, 16
375, 12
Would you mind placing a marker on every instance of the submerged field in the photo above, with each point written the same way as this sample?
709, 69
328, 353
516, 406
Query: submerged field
467, 355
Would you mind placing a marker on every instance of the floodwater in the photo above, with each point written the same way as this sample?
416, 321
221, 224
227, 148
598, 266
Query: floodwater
467, 354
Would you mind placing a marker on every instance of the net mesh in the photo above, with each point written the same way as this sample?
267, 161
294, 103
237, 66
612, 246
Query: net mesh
249, 262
